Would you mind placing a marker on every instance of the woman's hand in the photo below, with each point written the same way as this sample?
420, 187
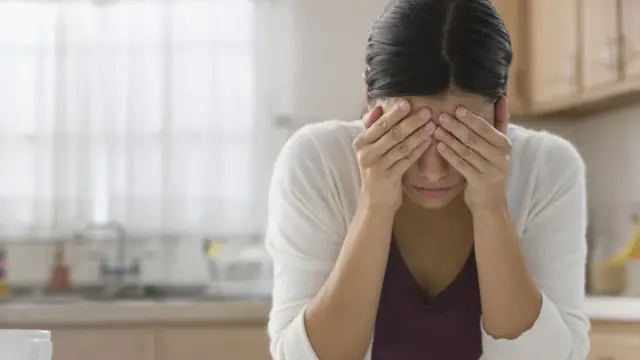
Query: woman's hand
387, 147
480, 152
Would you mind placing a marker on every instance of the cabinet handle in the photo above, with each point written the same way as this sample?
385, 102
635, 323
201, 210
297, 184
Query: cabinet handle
610, 54
626, 50
570, 69
615, 53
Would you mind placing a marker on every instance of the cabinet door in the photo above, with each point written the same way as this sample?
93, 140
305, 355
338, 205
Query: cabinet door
601, 58
631, 37
511, 12
614, 346
213, 343
552, 34
102, 344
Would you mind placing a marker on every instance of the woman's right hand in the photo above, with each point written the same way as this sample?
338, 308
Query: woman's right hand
385, 150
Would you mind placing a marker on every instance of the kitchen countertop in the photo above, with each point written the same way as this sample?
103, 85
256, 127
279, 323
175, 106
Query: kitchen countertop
613, 308
598, 308
134, 312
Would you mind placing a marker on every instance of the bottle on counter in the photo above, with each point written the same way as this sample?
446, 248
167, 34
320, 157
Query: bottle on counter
605, 277
631, 251
3, 271
59, 282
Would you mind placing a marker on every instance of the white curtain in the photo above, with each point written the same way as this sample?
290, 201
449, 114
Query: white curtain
140, 112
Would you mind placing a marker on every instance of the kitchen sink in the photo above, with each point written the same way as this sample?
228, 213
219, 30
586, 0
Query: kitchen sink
129, 293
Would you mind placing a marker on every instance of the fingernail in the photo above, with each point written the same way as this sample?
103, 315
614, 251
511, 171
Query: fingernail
403, 105
444, 118
425, 114
461, 112
429, 127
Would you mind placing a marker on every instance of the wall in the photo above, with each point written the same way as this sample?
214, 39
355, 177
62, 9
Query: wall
612, 152
609, 145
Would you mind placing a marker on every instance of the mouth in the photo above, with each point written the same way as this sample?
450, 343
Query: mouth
432, 191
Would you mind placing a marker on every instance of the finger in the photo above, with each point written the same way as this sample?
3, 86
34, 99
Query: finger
384, 123
458, 163
406, 147
481, 164
482, 128
372, 116
402, 130
469, 137
501, 112
402, 165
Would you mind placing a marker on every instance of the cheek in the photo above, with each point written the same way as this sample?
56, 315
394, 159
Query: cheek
456, 177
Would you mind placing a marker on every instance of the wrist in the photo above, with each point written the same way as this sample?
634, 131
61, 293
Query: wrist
376, 211
490, 209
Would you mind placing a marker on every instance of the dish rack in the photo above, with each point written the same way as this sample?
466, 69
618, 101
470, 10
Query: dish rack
238, 268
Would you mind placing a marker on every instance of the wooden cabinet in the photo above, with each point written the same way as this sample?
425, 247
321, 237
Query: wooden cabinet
510, 11
630, 38
614, 346
615, 341
552, 52
213, 343
167, 342
103, 344
601, 49
572, 55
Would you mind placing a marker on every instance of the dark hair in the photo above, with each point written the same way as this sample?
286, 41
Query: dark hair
426, 47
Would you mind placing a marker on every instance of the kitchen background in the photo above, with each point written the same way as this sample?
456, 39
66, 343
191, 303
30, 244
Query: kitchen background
164, 118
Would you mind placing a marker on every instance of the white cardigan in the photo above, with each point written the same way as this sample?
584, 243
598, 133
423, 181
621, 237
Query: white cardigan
313, 197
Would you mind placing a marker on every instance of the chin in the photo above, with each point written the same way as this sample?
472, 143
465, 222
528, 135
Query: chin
434, 200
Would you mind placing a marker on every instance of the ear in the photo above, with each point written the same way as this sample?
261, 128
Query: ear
501, 114
369, 104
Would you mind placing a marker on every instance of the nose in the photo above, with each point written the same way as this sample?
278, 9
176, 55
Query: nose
432, 165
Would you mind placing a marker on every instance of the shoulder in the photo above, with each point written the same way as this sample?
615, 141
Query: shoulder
316, 178
544, 168
320, 154
545, 155
328, 142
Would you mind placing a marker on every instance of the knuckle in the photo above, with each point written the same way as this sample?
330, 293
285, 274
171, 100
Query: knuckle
403, 148
472, 138
396, 133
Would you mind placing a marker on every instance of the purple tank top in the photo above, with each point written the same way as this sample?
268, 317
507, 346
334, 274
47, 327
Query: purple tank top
413, 326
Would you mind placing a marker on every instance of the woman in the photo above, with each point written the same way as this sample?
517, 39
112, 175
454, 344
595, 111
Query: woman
433, 229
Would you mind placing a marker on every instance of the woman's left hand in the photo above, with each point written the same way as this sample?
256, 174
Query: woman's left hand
480, 152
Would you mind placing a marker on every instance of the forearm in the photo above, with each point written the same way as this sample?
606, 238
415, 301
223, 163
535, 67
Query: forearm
511, 301
340, 319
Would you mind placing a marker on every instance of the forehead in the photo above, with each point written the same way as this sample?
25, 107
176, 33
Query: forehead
449, 103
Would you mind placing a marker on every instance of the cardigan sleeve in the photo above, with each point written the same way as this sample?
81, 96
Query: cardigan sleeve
554, 241
304, 236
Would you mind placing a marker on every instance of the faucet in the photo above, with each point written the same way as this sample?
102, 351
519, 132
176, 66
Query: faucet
114, 276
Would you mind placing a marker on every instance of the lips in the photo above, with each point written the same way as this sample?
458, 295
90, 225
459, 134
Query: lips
428, 188
432, 191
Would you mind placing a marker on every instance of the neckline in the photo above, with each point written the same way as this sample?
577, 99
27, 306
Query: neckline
448, 292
